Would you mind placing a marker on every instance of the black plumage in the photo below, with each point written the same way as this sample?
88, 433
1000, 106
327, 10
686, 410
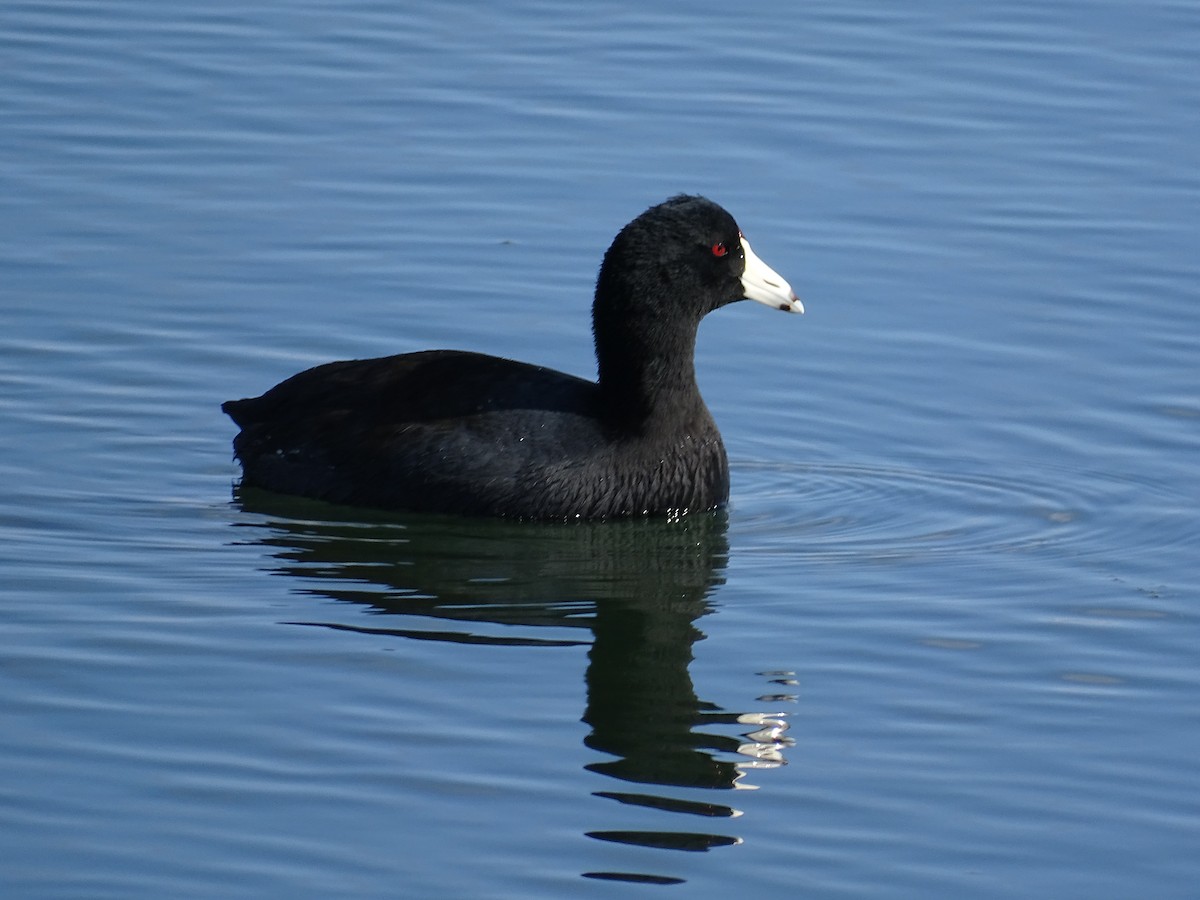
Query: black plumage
457, 432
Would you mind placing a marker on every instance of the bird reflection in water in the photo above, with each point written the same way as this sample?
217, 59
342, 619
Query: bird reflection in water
639, 586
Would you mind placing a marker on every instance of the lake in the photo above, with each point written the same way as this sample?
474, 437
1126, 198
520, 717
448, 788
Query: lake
941, 643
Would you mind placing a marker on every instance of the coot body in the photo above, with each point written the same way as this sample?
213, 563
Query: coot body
456, 432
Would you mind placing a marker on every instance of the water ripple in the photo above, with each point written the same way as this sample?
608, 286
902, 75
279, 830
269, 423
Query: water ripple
836, 511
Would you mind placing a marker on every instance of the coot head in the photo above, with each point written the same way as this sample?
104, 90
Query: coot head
687, 257
666, 270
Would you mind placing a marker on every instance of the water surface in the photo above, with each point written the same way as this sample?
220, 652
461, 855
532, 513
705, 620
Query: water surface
941, 644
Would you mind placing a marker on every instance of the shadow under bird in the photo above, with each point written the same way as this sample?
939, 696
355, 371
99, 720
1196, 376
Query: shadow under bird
451, 431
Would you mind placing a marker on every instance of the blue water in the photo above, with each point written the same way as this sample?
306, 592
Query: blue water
941, 644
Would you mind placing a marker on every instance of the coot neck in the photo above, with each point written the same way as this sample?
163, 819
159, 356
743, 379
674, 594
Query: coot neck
647, 372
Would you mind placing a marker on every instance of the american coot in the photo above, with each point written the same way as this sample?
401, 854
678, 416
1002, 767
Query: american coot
457, 432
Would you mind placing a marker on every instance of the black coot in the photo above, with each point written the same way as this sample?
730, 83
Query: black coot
457, 432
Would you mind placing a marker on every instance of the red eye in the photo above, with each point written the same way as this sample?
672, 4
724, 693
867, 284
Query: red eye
719, 249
